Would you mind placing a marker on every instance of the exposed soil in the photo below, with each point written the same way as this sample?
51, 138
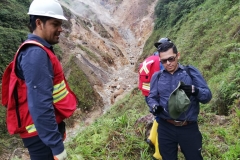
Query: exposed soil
128, 25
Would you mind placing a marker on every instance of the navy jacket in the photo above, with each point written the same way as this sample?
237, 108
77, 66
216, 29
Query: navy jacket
160, 90
34, 66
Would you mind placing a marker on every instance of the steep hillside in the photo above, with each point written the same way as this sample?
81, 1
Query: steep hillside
208, 38
102, 44
98, 51
207, 34
107, 37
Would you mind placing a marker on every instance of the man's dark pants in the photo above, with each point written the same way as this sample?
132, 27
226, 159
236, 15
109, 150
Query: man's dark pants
188, 137
37, 149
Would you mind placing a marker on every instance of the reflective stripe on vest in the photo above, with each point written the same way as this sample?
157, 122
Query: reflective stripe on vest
34, 42
144, 66
146, 86
59, 91
31, 128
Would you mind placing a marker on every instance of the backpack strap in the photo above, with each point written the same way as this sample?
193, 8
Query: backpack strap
159, 74
186, 68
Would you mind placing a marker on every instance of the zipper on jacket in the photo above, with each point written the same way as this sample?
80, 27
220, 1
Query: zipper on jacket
15, 93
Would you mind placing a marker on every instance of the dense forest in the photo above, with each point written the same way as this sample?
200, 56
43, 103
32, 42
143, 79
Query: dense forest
13, 30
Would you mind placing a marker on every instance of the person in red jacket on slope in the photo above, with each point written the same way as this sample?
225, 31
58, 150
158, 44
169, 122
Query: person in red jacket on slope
149, 66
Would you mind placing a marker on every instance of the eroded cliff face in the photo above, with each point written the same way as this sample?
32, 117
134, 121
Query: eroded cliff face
106, 37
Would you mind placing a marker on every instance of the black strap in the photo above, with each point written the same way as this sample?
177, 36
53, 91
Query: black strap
159, 74
186, 68
15, 93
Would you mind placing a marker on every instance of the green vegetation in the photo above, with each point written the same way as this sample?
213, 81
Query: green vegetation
208, 38
95, 58
90, 54
13, 29
10, 39
12, 12
116, 136
81, 87
169, 12
113, 136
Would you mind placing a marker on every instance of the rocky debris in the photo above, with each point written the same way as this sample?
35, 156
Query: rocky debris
146, 123
220, 119
18, 153
115, 94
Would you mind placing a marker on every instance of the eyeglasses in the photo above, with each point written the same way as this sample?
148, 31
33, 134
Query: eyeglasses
170, 59
161, 41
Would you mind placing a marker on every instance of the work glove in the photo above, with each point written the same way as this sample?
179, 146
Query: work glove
155, 110
61, 156
189, 90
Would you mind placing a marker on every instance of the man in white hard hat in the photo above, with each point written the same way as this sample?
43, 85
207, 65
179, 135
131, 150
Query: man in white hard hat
43, 97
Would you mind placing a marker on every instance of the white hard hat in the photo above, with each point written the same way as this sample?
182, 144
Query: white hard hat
48, 8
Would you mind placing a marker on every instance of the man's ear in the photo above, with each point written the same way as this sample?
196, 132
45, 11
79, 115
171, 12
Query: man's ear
38, 24
178, 55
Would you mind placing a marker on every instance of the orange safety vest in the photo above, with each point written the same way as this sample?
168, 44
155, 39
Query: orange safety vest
14, 96
146, 69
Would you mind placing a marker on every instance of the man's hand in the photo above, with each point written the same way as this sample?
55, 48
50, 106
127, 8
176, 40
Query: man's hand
64, 136
61, 156
189, 90
155, 110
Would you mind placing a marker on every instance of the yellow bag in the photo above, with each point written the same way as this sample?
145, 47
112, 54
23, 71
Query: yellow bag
153, 140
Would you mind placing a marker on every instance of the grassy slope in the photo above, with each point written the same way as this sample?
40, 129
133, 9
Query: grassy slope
208, 39
113, 136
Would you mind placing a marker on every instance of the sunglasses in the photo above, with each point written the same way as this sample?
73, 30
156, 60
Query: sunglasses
170, 59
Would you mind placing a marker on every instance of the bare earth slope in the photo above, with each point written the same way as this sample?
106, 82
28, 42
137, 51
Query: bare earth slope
115, 33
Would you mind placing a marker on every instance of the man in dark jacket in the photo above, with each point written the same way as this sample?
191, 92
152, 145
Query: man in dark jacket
182, 128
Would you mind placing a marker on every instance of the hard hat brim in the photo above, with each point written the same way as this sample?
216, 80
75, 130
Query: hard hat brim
47, 15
